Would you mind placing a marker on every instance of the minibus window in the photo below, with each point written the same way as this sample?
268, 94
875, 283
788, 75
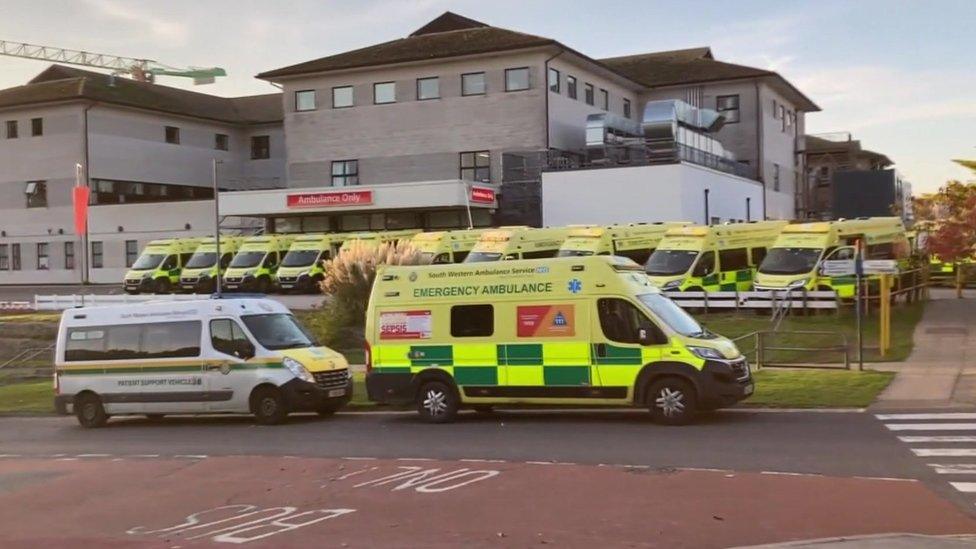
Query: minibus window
300, 258
148, 261
539, 255
245, 260
472, 320
705, 265
573, 253
790, 261
201, 260
171, 340
670, 262
277, 331
228, 338
672, 315
481, 257
134, 341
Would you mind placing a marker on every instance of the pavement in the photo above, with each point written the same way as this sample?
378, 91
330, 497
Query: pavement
941, 371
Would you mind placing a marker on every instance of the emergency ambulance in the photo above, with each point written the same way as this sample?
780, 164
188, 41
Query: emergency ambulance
200, 273
440, 247
711, 258
254, 266
636, 241
562, 331
377, 238
157, 270
795, 260
203, 356
301, 269
506, 243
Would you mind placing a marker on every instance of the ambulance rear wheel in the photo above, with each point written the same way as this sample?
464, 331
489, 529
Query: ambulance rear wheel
263, 285
268, 406
672, 401
162, 286
90, 412
437, 402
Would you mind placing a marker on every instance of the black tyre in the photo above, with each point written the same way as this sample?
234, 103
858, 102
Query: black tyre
263, 285
672, 401
130, 292
268, 406
437, 402
162, 286
90, 412
155, 417
326, 410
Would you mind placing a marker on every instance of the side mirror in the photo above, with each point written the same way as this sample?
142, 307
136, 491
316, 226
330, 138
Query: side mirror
649, 334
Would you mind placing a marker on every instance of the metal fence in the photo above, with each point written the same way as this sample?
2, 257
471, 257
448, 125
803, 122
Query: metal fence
766, 349
62, 302
757, 300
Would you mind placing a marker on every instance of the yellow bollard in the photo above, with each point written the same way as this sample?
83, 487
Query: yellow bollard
884, 315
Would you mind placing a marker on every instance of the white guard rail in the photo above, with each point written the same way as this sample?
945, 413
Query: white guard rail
756, 300
62, 302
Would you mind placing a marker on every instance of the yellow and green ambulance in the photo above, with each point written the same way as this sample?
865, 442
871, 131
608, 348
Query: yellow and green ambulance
302, 270
711, 258
441, 247
200, 273
377, 238
254, 266
561, 331
158, 268
516, 242
636, 241
795, 260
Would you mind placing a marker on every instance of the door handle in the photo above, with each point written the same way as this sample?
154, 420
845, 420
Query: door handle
217, 366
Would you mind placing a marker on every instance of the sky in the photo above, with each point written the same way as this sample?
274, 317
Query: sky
900, 75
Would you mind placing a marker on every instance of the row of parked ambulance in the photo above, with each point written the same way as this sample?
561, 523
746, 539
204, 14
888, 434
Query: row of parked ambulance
675, 255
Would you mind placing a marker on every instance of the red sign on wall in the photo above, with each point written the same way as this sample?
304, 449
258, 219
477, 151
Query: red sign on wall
330, 199
482, 195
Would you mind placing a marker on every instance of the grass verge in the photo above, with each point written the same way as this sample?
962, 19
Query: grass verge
27, 397
817, 388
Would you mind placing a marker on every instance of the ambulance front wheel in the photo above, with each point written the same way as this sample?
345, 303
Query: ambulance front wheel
672, 401
437, 402
89, 411
162, 286
268, 406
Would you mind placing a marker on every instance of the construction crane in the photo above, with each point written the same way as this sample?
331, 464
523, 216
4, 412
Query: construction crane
143, 70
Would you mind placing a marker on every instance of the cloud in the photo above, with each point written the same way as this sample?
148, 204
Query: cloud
159, 27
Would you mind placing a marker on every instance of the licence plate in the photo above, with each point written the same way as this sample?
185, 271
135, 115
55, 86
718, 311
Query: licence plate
749, 389
286, 286
337, 392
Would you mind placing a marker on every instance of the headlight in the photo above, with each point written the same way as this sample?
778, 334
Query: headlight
799, 283
296, 368
303, 273
705, 352
674, 284
147, 274
248, 273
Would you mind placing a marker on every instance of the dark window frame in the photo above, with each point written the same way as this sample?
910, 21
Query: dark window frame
37, 127
468, 313
627, 108
484, 84
571, 86
69, 255
605, 99
375, 84
425, 79
474, 168
37, 198
97, 257
43, 251
528, 79
727, 109
258, 152
171, 134
554, 87
12, 130
346, 175
589, 94
352, 97
15, 264
221, 142
4, 257
299, 93
130, 255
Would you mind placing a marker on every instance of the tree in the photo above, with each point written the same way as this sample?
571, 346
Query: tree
950, 217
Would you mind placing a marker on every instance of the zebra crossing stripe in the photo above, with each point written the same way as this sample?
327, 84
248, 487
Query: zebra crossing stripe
964, 486
937, 438
944, 415
944, 452
931, 426
954, 468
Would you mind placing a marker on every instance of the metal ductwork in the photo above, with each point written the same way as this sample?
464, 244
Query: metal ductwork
667, 115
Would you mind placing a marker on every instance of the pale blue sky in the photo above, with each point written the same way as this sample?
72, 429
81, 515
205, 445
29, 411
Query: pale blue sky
901, 75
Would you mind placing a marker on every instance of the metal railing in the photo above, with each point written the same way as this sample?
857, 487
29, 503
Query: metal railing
764, 346
772, 300
28, 354
62, 302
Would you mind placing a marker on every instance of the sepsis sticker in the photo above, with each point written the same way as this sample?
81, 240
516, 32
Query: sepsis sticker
405, 325
546, 321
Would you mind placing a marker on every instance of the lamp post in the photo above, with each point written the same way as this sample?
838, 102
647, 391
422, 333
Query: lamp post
216, 196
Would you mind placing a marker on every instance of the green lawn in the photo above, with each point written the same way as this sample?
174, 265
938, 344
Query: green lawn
903, 321
817, 388
27, 397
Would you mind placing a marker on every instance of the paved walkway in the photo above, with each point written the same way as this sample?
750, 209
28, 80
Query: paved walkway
941, 371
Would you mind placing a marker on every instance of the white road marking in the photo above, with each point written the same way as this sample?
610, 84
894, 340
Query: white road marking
9, 455
358, 458
476, 460
931, 426
94, 455
415, 459
895, 479
954, 468
142, 456
359, 472
190, 456
944, 452
964, 486
788, 474
938, 438
944, 415
540, 463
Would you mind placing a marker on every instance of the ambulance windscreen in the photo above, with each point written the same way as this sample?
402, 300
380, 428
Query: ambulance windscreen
482, 257
148, 261
278, 331
574, 253
202, 260
670, 262
789, 261
244, 260
673, 315
300, 258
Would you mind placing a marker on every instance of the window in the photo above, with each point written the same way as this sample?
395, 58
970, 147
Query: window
227, 337
588, 94
260, 147
705, 265
775, 110
305, 100
781, 112
472, 320
134, 341
69, 255
473, 83
604, 99
728, 106
544, 254
96, 255
517, 79
276, 331
345, 173
221, 142
758, 254
131, 252
384, 92
734, 260
43, 261
4, 257
36, 192
428, 88
775, 177
37, 127
553, 80
626, 108
105, 191
173, 135
11, 129
621, 321
15, 257
570, 86
476, 166
639, 255
342, 97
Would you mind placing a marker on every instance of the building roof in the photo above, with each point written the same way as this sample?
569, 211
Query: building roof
61, 83
820, 145
695, 65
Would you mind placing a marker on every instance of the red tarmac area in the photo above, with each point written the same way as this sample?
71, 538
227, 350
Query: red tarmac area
312, 502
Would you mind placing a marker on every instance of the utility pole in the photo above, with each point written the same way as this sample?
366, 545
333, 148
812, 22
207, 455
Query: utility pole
216, 196
858, 305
